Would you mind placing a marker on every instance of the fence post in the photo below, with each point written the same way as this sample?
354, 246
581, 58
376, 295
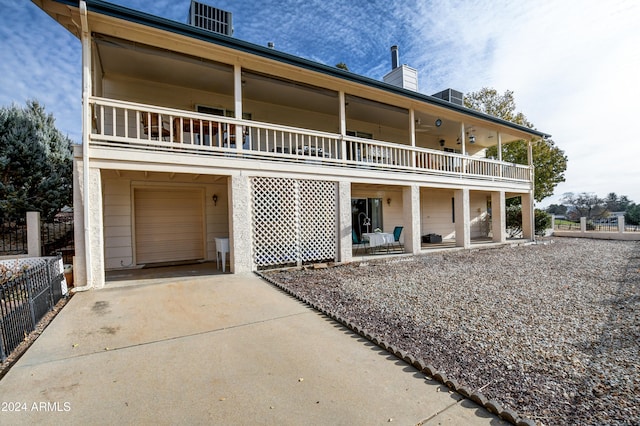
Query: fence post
553, 222
621, 224
33, 234
583, 224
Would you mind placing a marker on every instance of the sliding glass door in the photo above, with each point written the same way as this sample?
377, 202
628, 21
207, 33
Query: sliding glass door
366, 215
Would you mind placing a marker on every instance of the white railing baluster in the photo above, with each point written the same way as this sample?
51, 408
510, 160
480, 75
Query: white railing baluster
269, 140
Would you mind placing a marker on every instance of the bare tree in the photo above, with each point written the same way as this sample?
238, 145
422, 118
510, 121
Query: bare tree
585, 204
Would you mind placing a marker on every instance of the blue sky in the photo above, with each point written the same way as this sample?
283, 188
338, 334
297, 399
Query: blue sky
574, 65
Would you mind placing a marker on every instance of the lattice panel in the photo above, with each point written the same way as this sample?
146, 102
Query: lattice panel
294, 221
318, 218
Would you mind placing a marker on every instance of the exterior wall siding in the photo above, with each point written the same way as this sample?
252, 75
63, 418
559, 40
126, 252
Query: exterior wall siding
436, 213
118, 211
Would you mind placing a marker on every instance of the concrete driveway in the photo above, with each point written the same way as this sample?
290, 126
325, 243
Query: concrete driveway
215, 349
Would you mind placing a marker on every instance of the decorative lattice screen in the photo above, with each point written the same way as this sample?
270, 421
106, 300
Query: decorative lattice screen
295, 221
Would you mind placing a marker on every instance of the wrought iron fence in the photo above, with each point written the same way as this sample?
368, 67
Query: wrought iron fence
604, 225
13, 238
567, 226
29, 288
55, 237
600, 225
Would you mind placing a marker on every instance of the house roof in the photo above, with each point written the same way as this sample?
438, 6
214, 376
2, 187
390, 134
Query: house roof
142, 18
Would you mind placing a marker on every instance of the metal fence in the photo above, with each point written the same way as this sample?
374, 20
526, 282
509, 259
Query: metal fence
605, 225
29, 289
13, 238
55, 237
599, 225
567, 226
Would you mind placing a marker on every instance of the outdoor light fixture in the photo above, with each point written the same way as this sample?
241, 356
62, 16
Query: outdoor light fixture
389, 201
215, 199
438, 122
472, 139
441, 142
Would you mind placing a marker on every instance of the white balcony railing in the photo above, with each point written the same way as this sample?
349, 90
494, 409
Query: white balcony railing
146, 127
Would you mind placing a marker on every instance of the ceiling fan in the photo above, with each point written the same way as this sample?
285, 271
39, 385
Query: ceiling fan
423, 127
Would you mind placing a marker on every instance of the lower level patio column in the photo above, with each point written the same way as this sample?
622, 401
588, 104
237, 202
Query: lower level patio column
528, 226
345, 242
240, 234
96, 231
411, 218
463, 222
498, 217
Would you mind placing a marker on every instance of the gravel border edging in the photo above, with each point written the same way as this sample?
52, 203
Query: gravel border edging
428, 370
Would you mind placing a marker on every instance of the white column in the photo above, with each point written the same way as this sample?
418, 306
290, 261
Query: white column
79, 259
412, 134
528, 227
500, 154
498, 217
463, 141
463, 222
343, 123
237, 95
96, 236
345, 242
621, 224
411, 218
241, 229
85, 38
33, 234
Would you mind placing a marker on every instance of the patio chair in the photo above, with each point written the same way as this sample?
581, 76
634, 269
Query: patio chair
397, 231
358, 243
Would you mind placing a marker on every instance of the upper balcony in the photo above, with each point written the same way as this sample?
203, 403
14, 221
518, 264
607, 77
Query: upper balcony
147, 128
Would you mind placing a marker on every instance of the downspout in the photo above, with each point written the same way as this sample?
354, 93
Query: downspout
85, 38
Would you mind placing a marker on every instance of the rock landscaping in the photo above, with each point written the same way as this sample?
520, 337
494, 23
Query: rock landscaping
546, 333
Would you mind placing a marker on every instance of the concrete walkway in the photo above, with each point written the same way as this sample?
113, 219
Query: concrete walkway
218, 349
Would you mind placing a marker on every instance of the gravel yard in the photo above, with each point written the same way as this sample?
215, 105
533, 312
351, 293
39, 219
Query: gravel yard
551, 331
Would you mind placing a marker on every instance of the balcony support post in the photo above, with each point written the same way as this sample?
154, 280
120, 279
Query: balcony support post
345, 241
412, 135
411, 218
500, 151
498, 217
237, 94
528, 226
343, 125
240, 227
462, 215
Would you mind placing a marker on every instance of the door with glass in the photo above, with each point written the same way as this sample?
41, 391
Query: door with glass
366, 215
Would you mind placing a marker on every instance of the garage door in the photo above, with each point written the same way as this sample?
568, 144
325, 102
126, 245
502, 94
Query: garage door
169, 224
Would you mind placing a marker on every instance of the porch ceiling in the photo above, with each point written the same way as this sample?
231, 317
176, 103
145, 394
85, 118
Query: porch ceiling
134, 60
123, 58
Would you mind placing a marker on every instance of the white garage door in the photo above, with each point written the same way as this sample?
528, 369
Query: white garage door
169, 224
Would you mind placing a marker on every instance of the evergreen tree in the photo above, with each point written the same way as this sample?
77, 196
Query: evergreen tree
35, 163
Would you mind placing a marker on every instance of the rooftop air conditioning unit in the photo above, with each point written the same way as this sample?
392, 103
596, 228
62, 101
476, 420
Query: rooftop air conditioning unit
210, 18
451, 95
